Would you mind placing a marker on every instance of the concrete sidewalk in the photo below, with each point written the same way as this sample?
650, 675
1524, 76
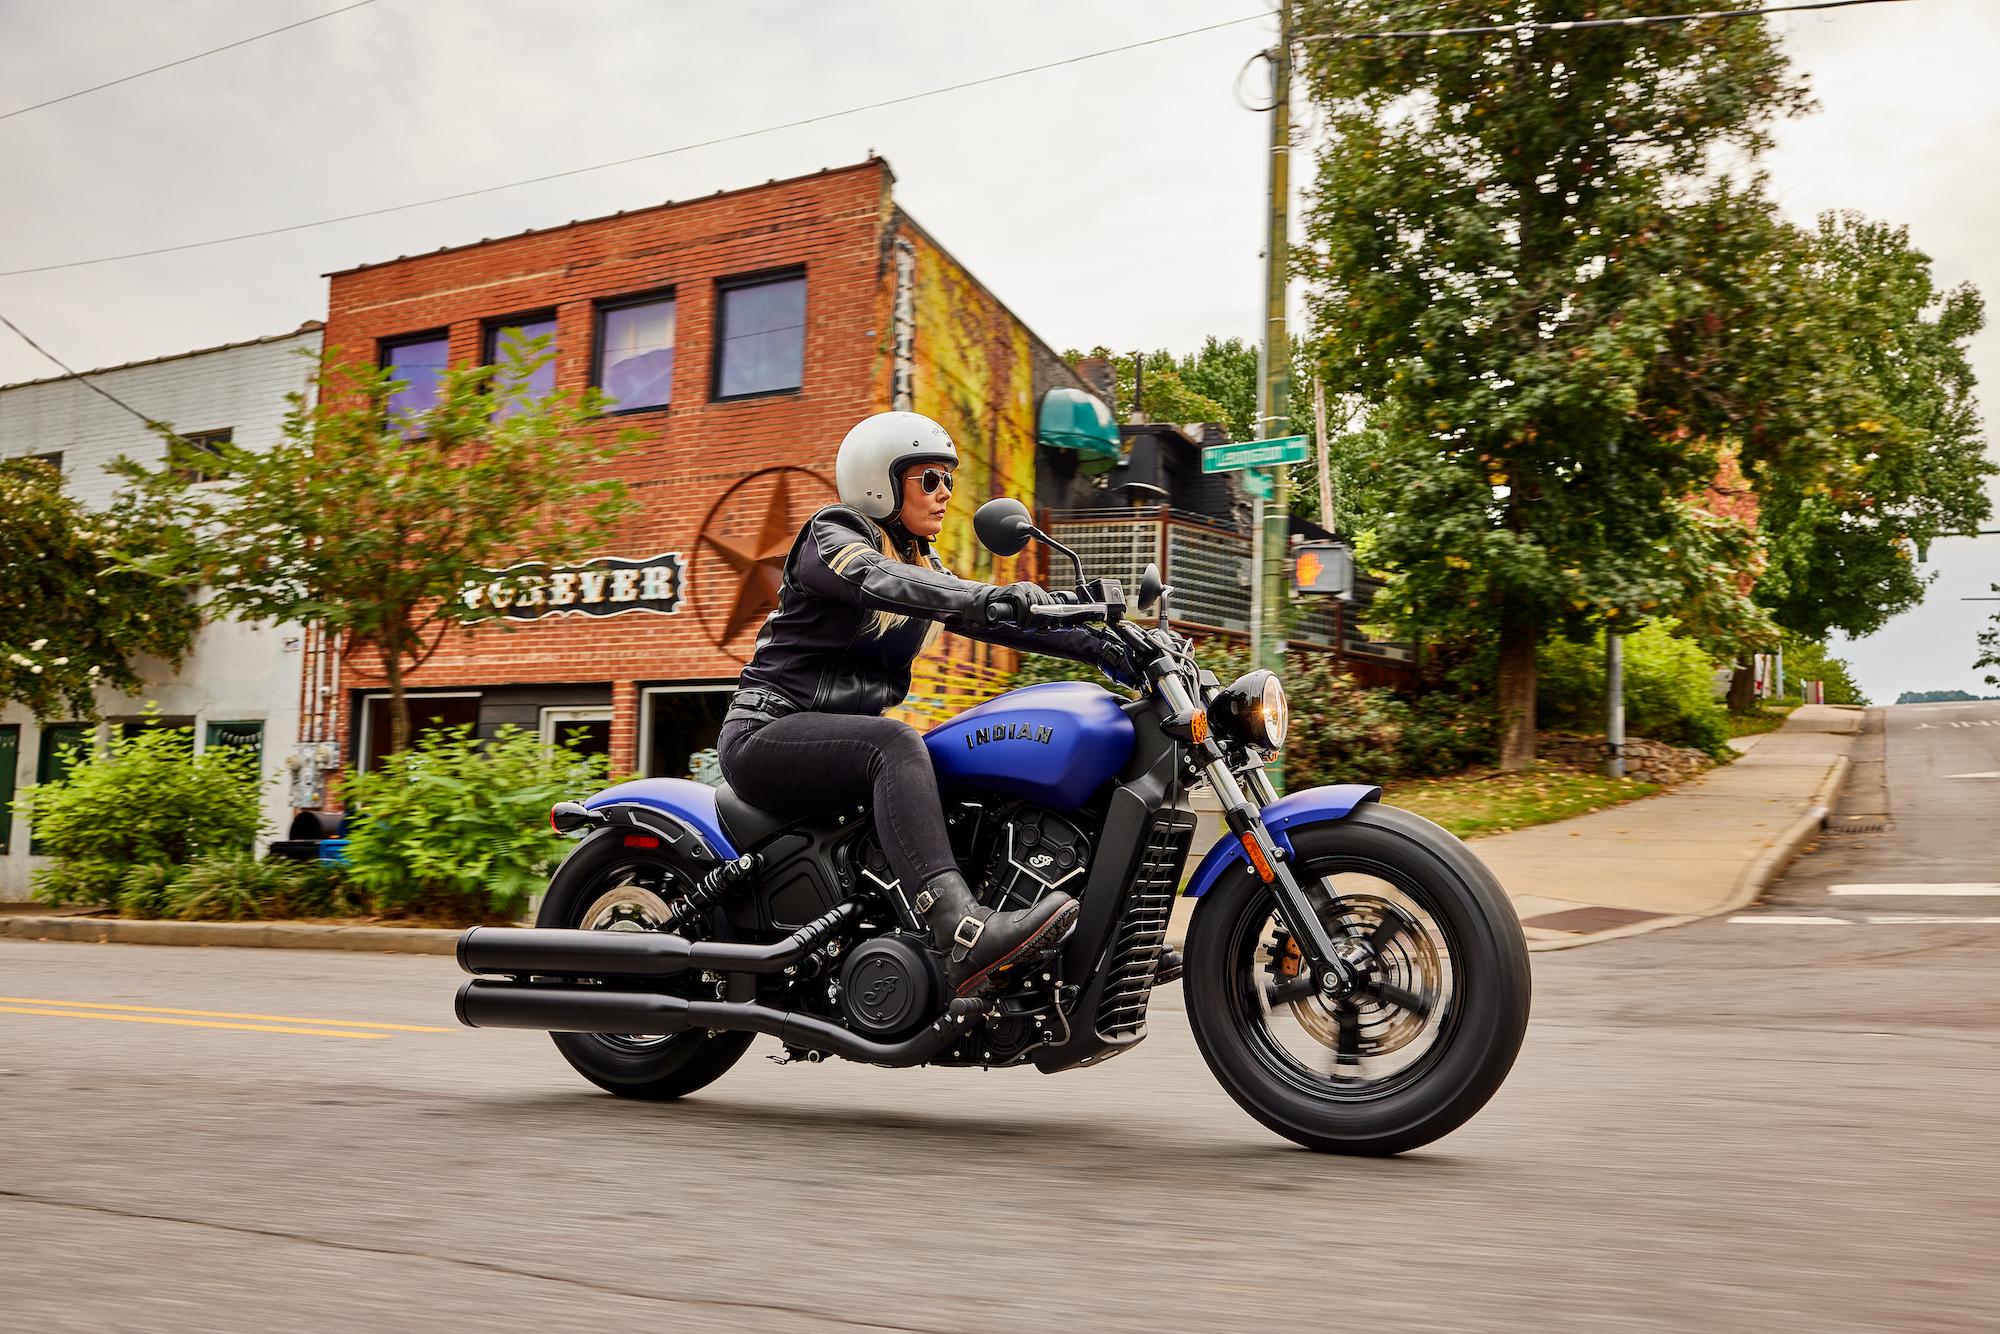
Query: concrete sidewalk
1706, 847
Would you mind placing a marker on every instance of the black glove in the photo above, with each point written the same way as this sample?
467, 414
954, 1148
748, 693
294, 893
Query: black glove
1117, 664
1009, 603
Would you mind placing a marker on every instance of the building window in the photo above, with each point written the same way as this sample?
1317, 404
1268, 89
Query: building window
53, 460
635, 353
762, 347
585, 730
417, 361
678, 728
238, 739
203, 442
541, 381
428, 713
10, 762
61, 747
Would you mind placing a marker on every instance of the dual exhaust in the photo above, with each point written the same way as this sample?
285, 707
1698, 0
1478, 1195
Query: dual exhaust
540, 991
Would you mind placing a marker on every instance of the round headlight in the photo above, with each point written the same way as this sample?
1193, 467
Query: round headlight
1276, 713
1252, 711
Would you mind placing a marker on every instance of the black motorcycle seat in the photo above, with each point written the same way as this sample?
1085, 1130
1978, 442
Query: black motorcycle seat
746, 825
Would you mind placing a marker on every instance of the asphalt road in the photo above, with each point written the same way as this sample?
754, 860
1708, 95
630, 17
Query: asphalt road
1740, 1125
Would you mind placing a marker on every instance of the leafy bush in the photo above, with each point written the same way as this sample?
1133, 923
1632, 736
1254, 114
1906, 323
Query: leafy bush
229, 887
1669, 688
1340, 732
149, 801
456, 827
324, 889
148, 891
1806, 660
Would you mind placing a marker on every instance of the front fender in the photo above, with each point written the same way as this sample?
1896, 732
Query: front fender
1312, 806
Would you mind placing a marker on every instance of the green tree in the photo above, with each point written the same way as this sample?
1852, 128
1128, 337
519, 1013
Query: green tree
372, 523
1989, 646
72, 615
1216, 384
1522, 253
1843, 541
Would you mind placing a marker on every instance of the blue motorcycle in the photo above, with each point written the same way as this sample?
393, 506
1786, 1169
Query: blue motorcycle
1354, 976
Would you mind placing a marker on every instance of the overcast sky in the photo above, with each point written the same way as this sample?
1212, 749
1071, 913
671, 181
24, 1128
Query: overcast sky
1117, 200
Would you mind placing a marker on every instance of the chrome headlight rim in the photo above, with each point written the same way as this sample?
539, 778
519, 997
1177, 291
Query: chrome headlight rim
1252, 711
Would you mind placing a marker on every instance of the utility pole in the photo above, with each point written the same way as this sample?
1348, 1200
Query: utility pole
1274, 392
1614, 703
1325, 464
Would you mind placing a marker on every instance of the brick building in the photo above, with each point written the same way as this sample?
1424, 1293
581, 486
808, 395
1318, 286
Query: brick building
742, 334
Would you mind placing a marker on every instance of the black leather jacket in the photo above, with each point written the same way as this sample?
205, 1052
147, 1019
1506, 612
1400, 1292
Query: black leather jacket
816, 653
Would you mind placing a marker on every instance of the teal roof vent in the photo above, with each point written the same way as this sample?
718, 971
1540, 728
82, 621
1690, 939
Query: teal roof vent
1072, 419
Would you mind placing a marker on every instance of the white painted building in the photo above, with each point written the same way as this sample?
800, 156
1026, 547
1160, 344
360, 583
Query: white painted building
240, 685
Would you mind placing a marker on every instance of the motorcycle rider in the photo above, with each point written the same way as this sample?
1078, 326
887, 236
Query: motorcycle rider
863, 594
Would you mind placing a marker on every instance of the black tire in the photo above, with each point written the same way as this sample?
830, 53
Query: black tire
654, 1068
1457, 988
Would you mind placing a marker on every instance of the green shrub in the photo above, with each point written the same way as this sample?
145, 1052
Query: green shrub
1669, 689
80, 880
148, 801
148, 890
1806, 660
459, 827
230, 886
324, 889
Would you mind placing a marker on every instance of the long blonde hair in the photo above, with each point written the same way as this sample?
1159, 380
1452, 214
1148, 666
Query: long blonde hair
881, 622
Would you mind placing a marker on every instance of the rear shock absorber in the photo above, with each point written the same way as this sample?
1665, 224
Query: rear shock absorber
716, 886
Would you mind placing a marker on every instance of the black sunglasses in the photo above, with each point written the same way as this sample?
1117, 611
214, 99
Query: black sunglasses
933, 478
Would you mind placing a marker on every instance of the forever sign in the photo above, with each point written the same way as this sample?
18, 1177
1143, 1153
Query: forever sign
607, 586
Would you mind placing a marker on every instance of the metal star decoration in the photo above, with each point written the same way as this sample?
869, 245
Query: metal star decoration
759, 563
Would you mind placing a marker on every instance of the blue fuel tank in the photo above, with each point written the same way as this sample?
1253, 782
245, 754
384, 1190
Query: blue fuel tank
1052, 744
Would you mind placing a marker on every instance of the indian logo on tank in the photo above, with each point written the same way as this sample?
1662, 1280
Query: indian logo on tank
1009, 732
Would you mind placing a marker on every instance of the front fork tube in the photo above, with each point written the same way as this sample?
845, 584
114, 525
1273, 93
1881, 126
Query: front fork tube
1335, 974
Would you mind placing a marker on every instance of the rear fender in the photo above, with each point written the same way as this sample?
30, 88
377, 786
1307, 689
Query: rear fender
680, 811
1315, 805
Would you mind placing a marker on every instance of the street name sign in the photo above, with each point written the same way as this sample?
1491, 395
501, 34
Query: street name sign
1254, 454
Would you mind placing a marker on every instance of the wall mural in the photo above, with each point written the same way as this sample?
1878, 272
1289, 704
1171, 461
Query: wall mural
740, 556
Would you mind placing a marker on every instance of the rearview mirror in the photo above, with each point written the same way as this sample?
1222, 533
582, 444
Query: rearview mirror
1004, 526
1149, 588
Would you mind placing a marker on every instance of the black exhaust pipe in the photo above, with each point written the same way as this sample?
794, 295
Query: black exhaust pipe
519, 952
562, 1008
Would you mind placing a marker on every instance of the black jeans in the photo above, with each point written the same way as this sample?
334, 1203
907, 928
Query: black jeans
805, 763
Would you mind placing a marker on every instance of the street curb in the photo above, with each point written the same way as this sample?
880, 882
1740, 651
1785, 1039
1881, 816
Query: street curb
239, 935
1755, 879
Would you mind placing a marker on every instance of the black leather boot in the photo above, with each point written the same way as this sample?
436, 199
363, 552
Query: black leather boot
1169, 969
981, 946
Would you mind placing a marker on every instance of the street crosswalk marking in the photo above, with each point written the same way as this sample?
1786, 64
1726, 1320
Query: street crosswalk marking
1991, 773
1976, 889
1867, 919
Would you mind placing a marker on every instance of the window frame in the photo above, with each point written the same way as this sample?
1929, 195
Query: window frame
384, 346
606, 305
737, 283
201, 440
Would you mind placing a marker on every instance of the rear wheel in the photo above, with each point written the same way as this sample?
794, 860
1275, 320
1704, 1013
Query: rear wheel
605, 886
1420, 1045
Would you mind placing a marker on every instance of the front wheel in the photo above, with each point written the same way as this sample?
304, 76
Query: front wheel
1426, 1039
604, 886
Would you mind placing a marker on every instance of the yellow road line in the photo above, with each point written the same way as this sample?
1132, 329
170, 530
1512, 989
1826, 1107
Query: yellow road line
186, 1023
222, 1014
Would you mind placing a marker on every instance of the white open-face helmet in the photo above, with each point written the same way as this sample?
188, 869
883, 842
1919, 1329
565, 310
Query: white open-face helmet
872, 458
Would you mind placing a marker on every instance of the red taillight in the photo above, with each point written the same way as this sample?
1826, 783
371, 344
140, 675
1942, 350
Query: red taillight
644, 841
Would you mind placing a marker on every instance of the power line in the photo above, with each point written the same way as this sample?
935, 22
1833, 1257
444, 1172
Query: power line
1637, 21
95, 389
199, 55
643, 157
